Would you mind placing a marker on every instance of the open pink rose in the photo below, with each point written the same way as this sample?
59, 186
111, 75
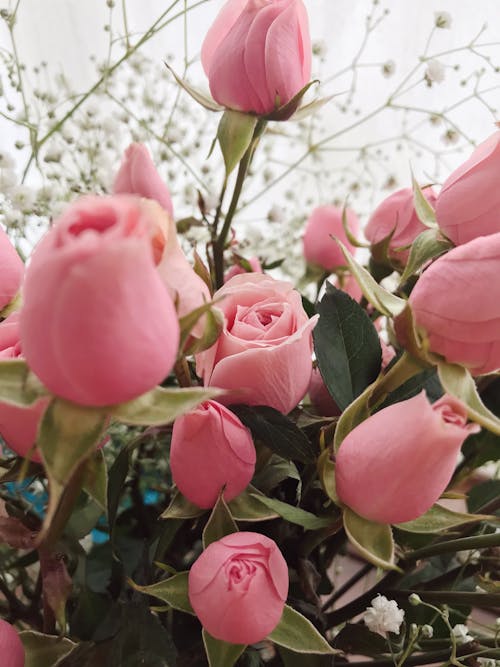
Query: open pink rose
98, 326
395, 465
11, 270
238, 587
397, 212
18, 425
319, 247
138, 175
257, 54
11, 647
210, 450
468, 204
456, 305
264, 351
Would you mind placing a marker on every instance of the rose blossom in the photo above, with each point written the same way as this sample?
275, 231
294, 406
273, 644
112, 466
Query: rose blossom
98, 326
11, 270
319, 247
397, 212
11, 647
257, 54
264, 350
468, 204
395, 465
238, 587
211, 434
456, 305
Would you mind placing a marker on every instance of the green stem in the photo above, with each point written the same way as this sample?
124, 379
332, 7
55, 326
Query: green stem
463, 544
404, 369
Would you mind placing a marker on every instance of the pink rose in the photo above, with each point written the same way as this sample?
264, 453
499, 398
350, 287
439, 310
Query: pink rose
238, 587
467, 206
398, 211
11, 270
98, 326
257, 54
456, 304
238, 269
349, 285
138, 175
18, 425
320, 396
11, 647
319, 247
214, 435
396, 464
264, 350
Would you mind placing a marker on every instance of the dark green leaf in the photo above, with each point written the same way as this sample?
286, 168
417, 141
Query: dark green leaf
427, 380
482, 494
220, 523
277, 432
43, 650
297, 633
347, 347
357, 639
181, 508
247, 506
440, 518
296, 515
219, 653
173, 591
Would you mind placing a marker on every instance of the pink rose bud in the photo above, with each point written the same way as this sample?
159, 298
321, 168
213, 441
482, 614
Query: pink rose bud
456, 304
264, 351
319, 247
18, 425
11, 270
98, 326
238, 587
396, 464
257, 54
349, 285
238, 269
468, 204
214, 434
138, 176
11, 647
320, 397
398, 212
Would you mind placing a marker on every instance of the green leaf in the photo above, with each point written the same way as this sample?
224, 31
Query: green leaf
357, 639
482, 494
18, 385
426, 246
427, 380
353, 415
173, 591
68, 436
219, 653
312, 107
326, 473
298, 634
296, 515
44, 650
292, 659
372, 540
386, 303
247, 506
220, 523
440, 518
213, 325
423, 209
161, 406
197, 95
277, 432
347, 346
95, 481
235, 135
458, 382
116, 479
181, 508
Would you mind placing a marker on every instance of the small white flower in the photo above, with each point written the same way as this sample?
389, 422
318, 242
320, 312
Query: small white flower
7, 161
383, 616
488, 662
8, 179
427, 631
276, 214
388, 68
434, 72
319, 48
460, 632
22, 197
442, 20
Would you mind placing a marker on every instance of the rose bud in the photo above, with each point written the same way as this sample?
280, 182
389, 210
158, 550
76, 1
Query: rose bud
468, 204
18, 425
11, 270
264, 351
320, 248
213, 433
237, 269
348, 284
138, 175
397, 212
396, 464
257, 54
98, 326
238, 587
11, 647
456, 305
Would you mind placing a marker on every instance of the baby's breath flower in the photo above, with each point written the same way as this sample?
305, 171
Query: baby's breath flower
461, 634
383, 616
434, 72
442, 20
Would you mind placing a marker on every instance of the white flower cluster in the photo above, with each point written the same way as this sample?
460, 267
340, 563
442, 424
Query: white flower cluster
383, 616
461, 634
